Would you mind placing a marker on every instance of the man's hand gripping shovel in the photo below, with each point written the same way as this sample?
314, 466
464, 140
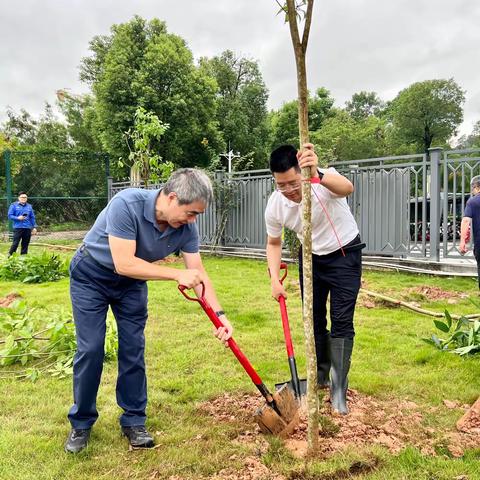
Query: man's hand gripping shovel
280, 414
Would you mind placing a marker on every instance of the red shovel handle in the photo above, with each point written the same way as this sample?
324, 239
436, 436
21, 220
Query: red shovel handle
218, 323
283, 311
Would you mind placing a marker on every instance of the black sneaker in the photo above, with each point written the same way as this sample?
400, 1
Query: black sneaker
138, 436
77, 440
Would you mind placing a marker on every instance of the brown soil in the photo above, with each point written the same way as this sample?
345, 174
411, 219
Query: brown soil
436, 293
394, 424
9, 299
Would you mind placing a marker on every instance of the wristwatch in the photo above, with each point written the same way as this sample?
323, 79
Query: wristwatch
219, 313
320, 174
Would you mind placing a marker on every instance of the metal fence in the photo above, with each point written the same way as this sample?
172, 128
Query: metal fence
405, 206
67, 189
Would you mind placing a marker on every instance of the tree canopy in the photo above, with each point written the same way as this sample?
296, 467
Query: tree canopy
428, 111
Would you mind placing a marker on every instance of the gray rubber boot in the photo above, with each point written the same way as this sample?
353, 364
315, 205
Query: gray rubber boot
341, 353
322, 346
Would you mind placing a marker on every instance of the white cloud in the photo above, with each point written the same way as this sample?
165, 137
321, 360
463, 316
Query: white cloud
355, 44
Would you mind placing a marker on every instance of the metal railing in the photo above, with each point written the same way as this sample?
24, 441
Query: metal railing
405, 206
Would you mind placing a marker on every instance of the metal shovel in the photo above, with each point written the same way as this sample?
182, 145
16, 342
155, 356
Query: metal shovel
298, 386
280, 414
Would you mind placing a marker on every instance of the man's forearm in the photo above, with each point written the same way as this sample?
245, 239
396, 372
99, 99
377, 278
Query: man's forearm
464, 229
274, 258
337, 184
143, 270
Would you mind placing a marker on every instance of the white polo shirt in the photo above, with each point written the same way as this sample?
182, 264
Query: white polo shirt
282, 212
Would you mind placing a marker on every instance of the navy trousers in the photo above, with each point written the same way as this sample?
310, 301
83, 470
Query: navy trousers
23, 234
93, 288
339, 276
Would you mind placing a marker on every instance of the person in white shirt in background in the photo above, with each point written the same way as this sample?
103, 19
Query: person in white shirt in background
337, 258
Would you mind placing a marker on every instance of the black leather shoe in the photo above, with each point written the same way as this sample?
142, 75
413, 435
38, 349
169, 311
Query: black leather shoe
77, 440
138, 436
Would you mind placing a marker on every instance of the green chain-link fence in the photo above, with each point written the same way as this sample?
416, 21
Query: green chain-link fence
67, 190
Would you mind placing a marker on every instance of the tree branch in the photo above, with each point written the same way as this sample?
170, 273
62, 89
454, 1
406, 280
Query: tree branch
292, 22
308, 22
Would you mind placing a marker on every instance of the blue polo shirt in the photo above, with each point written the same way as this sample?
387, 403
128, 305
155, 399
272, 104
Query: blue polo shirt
131, 215
472, 210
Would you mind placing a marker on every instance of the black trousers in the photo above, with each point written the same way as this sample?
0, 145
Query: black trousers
339, 276
23, 234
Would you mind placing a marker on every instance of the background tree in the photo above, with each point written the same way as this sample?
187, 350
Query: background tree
284, 122
20, 128
341, 137
427, 111
141, 64
364, 104
79, 113
145, 164
472, 140
241, 105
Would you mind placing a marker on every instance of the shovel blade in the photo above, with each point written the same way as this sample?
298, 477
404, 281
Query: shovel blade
290, 385
281, 420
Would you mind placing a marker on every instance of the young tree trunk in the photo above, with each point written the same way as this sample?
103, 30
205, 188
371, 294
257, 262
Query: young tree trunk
300, 49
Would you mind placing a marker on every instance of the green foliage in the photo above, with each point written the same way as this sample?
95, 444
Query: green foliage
79, 113
147, 131
241, 105
427, 111
42, 341
341, 137
284, 122
463, 335
141, 64
472, 140
33, 268
46, 132
364, 104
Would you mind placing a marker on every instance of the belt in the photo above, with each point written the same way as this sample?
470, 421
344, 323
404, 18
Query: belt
352, 246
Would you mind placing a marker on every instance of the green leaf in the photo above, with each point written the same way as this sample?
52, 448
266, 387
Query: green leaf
449, 319
441, 326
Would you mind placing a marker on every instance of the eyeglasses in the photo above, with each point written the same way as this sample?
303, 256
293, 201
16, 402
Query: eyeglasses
289, 187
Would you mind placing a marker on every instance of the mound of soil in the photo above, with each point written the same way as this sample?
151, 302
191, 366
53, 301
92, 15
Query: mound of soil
9, 299
436, 293
394, 424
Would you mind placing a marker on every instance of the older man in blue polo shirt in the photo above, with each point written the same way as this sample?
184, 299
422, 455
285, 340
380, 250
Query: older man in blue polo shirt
111, 268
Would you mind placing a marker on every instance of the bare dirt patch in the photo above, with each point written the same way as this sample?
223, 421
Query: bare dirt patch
393, 424
9, 299
433, 294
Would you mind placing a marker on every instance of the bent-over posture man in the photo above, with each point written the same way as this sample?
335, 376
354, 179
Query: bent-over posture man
111, 268
337, 262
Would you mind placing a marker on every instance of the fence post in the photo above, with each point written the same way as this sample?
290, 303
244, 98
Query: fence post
220, 205
7, 155
435, 155
109, 188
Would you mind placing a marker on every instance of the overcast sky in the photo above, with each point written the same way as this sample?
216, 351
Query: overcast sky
373, 45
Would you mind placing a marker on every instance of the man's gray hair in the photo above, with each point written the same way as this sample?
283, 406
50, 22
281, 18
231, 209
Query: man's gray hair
475, 182
190, 185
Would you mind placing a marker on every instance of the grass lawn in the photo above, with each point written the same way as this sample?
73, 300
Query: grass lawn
187, 366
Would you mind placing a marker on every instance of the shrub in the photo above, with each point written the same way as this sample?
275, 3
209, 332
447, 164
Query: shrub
33, 268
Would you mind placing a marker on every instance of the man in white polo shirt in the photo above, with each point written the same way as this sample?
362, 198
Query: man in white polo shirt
337, 258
